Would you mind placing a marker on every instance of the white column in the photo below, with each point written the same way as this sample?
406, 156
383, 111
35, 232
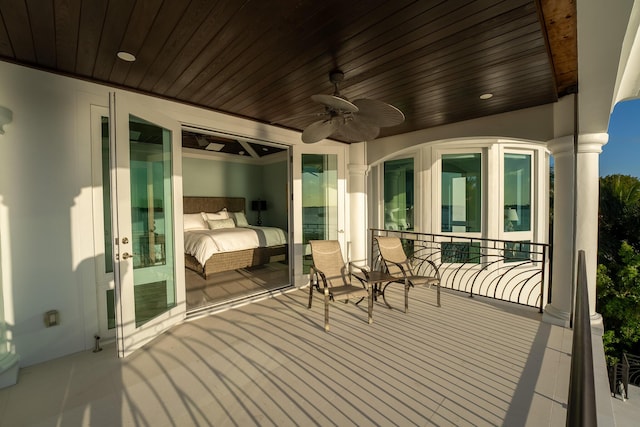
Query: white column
584, 217
559, 311
357, 187
587, 197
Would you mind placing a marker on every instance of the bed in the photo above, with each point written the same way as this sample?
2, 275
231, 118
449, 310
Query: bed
232, 243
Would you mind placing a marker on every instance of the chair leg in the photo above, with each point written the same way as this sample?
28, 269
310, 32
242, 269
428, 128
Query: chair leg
310, 293
406, 296
370, 310
438, 294
326, 310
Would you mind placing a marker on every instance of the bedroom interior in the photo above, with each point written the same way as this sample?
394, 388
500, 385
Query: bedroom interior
228, 185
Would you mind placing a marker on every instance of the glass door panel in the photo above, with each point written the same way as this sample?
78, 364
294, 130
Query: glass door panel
517, 192
461, 205
103, 235
319, 191
319, 200
398, 194
151, 196
461, 194
149, 295
518, 206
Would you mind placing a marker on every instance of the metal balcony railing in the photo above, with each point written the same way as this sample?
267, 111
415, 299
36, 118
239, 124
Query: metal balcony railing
581, 405
514, 271
626, 372
619, 377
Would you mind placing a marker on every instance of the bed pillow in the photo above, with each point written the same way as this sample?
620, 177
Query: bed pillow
216, 224
239, 218
194, 222
222, 214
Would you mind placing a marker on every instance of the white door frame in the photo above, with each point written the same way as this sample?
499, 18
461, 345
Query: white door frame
129, 336
301, 279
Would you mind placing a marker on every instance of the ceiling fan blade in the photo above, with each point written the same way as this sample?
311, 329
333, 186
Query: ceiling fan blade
301, 118
355, 130
335, 102
319, 130
378, 113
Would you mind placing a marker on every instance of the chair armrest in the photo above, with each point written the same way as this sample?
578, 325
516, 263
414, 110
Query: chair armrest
363, 270
435, 267
315, 272
432, 264
403, 270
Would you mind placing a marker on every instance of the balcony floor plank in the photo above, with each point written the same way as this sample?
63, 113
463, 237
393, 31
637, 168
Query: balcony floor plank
470, 362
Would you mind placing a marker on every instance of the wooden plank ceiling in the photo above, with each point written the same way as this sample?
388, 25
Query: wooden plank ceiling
264, 59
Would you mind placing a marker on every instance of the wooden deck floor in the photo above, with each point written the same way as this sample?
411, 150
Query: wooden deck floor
471, 362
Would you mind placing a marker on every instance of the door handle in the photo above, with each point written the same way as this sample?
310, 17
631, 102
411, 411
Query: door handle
127, 255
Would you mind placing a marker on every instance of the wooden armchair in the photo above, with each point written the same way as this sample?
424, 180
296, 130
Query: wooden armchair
331, 276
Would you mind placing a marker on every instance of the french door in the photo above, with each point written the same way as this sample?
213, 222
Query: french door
146, 200
319, 191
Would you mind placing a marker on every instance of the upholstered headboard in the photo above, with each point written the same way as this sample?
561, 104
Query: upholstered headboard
213, 204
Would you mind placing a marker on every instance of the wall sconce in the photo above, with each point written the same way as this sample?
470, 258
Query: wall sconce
259, 205
6, 117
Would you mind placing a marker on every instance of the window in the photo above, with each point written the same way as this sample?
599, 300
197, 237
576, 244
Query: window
461, 192
398, 194
517, 192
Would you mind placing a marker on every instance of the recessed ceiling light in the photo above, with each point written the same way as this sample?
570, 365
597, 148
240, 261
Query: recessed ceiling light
126, 56
486, 96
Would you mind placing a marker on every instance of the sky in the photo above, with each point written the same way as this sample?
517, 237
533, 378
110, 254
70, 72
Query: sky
621, 155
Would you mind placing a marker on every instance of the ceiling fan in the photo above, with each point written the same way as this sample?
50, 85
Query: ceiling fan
355, 121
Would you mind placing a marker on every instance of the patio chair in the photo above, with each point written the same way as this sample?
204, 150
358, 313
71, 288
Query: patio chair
331, 276
399, 266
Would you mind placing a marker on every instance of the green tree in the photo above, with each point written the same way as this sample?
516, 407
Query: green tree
618, 279
619, 216
619, 302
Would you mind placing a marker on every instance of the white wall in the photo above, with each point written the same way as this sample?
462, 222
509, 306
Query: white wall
533, 124
46, 225
217, 177
275, 190
45, 186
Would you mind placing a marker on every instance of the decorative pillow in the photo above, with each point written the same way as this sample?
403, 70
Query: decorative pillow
216, 224
239, 218
222, 214
194, 222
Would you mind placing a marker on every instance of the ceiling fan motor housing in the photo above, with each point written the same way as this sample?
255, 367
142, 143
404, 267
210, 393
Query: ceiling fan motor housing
336, 76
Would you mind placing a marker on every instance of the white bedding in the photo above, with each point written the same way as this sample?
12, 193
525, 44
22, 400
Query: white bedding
201, 244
